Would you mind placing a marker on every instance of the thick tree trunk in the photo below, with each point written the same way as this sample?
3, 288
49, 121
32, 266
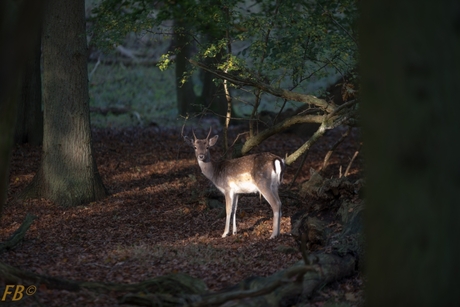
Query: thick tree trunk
68, 174
411, 70
29, 122
8, 103
16, 41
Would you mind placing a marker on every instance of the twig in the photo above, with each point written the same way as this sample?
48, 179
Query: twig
304, 158
303, 248
352, 159
254, 112
280, 111
90, 76
226, 90
329, 153
237, 137
345, 30
278, 92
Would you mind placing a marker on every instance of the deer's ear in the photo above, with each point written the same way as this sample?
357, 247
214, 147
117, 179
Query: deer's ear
213, 140
188, 140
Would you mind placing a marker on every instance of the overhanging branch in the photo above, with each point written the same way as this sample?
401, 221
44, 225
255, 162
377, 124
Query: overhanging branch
281, 126
275, 91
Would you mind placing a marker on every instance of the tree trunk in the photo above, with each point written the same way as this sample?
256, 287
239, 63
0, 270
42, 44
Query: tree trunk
8, 107
68, 173
411, 70
16, 41
212, 95
185, 92
29, 122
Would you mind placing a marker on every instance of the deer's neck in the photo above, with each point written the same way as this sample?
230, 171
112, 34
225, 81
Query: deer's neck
207, 168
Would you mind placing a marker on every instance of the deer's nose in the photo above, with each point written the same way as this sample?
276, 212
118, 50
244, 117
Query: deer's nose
201, 157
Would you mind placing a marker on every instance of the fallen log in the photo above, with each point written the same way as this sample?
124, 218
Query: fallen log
284, 287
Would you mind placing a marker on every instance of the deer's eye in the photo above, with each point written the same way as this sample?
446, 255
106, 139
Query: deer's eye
194, 147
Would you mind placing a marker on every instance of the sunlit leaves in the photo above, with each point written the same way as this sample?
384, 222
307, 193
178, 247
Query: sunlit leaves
165, 61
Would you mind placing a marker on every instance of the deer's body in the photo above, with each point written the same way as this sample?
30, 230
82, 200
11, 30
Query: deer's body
261, 172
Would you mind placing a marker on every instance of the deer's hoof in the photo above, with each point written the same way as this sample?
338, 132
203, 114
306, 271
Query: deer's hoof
224, 235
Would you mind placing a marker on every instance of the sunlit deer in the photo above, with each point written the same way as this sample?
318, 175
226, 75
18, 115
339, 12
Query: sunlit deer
260, 172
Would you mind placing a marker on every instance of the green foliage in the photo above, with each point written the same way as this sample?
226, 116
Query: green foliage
288, 43
113, 20
295, 39
165, 61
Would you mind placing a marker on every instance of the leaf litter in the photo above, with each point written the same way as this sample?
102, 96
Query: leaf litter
158, 218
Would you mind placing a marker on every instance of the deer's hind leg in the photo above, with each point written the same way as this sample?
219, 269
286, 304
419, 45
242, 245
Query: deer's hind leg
234, 206
271, 195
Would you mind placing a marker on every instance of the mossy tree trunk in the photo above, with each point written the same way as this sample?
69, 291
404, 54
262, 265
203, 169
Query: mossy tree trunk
410, 52
68, 173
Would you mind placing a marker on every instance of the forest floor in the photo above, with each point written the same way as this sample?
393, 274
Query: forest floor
157, 219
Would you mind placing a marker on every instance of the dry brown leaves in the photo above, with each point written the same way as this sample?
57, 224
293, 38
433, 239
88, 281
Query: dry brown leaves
156, 220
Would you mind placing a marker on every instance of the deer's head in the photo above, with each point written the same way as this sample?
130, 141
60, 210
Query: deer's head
202, 146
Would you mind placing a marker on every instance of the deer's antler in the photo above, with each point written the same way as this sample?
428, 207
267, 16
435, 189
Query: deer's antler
210, 129
193, 132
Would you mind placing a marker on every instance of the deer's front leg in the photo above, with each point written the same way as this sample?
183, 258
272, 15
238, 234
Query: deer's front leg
228, 208
276, 224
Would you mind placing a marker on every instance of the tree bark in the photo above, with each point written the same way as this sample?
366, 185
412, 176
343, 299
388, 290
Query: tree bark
213, 95
185, 92
411, 70
68, 173
16, 41
29, 122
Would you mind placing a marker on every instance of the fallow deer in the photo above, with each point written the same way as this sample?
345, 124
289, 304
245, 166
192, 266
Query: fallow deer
260, 172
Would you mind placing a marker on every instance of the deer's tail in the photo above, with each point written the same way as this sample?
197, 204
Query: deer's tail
279, 165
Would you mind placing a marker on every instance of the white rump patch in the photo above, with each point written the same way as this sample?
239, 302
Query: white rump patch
279, 168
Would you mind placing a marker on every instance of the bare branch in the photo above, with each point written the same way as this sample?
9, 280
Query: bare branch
329, 153
305, 155
351, 162
294, 156
278, 92
281, 126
